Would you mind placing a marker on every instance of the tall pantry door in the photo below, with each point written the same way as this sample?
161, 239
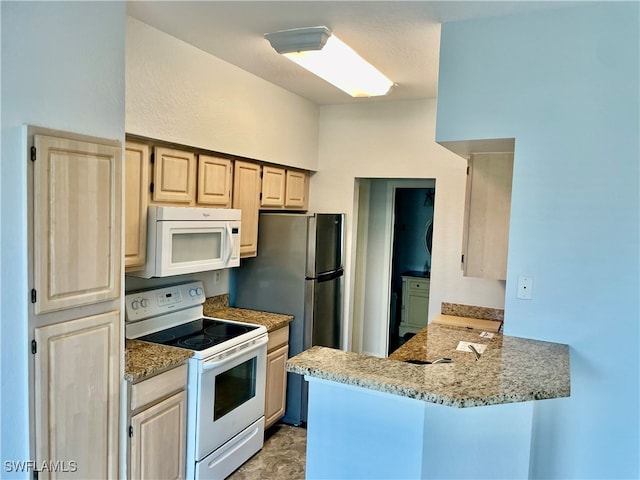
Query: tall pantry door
77, 372
77, 221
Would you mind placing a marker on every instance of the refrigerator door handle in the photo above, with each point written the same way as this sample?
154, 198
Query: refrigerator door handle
309, 301
328, 276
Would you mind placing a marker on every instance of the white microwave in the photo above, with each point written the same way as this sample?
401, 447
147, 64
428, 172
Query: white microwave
189, 239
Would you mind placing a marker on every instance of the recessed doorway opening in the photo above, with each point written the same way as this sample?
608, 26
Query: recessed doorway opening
393, 232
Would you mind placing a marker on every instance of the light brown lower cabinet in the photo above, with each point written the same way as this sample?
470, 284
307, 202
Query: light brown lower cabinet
77, 396
276, 394
157, 426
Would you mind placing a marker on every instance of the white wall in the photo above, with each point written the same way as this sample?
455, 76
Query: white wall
62, 68
564, 83
178, 93
396, 140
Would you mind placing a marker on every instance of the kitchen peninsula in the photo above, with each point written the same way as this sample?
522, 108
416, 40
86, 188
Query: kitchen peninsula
388, 418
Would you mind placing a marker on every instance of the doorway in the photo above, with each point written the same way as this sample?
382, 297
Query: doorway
376, 300
411, 259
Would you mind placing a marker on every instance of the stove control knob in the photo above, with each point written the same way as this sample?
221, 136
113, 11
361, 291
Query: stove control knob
193, 292
199, 291
144, 302
135, 304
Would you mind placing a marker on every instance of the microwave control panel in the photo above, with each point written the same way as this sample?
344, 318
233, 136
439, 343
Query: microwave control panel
150, 303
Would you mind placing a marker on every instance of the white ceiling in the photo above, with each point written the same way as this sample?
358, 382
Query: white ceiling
400, 38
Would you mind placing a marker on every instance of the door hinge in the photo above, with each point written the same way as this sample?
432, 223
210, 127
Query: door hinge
467, 169
260, 196
462, 259
33, 154
130, 431
151, 187
34, 347
152, 157
34, 295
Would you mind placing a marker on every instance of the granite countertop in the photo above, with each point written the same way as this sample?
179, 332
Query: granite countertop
510, 370
144, 359
273, 321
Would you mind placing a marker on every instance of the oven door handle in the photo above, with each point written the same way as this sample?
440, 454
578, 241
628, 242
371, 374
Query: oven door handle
216, 363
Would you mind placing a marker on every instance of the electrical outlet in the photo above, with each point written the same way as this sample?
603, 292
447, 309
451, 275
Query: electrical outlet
525, 287
216, 277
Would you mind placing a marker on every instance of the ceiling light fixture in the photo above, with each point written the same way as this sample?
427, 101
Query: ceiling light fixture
325, 55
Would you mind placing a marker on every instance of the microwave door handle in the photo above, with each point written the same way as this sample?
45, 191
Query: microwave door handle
229, 243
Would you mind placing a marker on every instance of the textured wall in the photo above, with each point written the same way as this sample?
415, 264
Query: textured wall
564, 83
178, 93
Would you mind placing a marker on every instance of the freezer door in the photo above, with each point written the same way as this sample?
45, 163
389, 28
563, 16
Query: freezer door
324, 325
326, 243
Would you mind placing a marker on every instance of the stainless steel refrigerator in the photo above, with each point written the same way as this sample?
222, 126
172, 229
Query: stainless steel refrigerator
298, 271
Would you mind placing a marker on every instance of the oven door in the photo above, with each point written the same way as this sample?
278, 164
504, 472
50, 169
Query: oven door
195, 246
231, 394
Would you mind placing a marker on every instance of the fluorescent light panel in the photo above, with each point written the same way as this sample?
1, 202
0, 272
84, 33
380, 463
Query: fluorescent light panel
328, 57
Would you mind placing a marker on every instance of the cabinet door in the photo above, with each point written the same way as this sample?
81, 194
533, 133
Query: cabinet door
174, 176
214, 181
297, 190
77, 380
136, 188
159, 440
77, 211
276, 394
487, 215
246, 197
273, 180
418, 311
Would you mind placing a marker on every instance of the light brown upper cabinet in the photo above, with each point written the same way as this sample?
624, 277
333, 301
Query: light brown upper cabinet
246, 197
273, 182
487, 212
284, 189
297, 191
174, 176
215, 176
76, 223
136, 199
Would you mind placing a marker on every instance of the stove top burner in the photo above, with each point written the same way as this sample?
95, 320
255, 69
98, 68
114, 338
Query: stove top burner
197, 342
160, 337
199, 334
221, 330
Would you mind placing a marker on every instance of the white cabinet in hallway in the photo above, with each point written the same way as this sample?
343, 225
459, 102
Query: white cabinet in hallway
415, 304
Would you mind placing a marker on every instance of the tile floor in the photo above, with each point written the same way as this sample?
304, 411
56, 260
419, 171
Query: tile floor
282, 457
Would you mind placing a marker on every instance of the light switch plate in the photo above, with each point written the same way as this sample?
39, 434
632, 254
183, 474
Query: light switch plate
525, 287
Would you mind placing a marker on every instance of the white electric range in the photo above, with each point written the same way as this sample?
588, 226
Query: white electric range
226, 379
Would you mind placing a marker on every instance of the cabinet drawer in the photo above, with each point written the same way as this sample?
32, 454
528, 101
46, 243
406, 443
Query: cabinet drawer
419, 284
158, 386
277, 338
